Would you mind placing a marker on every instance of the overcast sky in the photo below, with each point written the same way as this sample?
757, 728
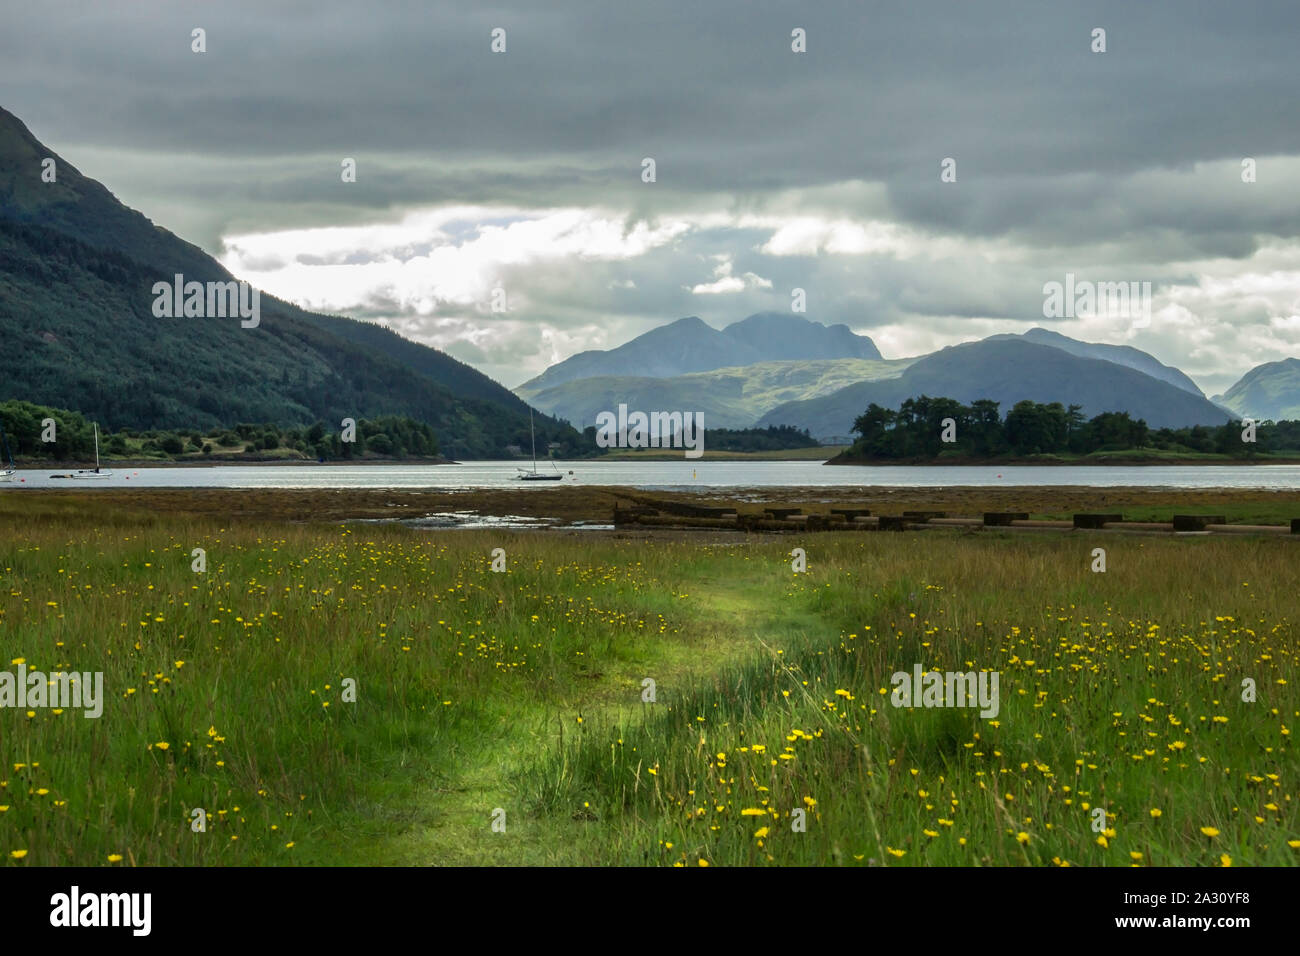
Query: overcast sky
818, 170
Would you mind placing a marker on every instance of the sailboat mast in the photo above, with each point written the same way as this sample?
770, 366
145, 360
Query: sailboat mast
8, 452
533, 434
96, 446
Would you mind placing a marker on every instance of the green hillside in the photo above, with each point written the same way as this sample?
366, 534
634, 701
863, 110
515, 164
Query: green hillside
76, 275
1267, 391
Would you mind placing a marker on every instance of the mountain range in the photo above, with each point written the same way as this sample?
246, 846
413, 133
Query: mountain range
825, 394
691, 345
76, 272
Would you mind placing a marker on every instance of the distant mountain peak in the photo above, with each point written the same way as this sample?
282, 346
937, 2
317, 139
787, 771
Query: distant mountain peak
691, 345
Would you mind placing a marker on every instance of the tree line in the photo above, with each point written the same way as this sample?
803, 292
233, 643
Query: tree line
771, 438
389, 436
918, 428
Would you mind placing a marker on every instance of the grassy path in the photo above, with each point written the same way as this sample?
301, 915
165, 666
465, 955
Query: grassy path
455, 817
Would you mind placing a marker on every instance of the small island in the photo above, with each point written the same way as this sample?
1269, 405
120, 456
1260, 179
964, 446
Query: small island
943, 431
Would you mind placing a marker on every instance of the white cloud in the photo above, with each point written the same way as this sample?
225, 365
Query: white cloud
810, 236
723, 285
726, 282
450, 255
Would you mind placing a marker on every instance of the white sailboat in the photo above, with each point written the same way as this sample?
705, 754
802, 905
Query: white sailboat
11, 470
97, 472
536, 475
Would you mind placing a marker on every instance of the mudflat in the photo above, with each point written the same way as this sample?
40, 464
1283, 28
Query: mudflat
574, 503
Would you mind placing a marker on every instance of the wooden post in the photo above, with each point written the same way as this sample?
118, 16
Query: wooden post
1196, 522
1000, 519
1095, 521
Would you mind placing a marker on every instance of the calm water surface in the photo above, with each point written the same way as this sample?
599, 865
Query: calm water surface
670, 475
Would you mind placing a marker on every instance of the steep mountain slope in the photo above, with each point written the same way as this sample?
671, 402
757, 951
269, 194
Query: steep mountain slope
690, 345
462, 379
1007, 370
1271, 390
84, 209
76, 276
728, 397
1119, 354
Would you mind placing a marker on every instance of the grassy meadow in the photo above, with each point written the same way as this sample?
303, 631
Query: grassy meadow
521, 691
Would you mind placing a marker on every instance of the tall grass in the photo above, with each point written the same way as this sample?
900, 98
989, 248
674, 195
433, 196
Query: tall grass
224, 691
1120, 690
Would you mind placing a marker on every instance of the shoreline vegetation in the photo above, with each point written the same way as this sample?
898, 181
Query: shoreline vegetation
944, 431
39, 435
922, 432
40, 464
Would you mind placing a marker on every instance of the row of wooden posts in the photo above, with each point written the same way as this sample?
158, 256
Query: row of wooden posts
676, 514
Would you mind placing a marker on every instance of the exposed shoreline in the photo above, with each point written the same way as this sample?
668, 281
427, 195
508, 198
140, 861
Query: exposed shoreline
575, 504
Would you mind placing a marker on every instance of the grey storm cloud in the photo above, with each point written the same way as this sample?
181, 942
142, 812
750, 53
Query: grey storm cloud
1124, 163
